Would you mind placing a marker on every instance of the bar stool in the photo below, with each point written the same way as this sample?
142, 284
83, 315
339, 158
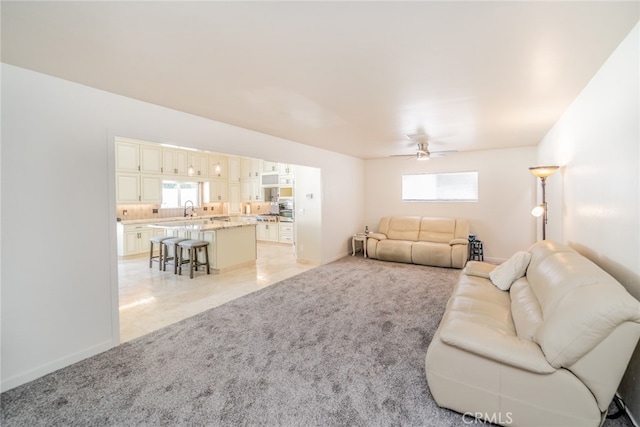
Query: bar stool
171, 243
192, 246
157, 240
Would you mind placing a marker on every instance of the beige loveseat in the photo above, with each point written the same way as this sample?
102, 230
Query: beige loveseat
550, 351
439, 242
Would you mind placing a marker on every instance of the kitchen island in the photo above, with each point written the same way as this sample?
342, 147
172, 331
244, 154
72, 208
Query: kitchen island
231, 243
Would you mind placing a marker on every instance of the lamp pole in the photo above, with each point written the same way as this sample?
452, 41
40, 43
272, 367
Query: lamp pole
544, 172
543, 181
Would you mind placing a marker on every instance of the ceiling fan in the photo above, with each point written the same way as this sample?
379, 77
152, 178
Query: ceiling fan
423, 152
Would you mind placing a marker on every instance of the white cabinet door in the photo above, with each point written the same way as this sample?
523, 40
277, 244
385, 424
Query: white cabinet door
174, 162
250, 168
234, 170
130, 243
127, 156
218, 166
127, 188
235, 203
284, 169
257, 195
269, 166
150, 189
150, 159
267, 231
218, 190
246, 186
199, 162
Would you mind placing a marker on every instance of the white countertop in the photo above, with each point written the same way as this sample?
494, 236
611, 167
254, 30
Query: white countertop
181, 219
202, 226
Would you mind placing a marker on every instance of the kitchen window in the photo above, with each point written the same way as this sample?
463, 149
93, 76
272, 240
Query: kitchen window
175, 194
440, 187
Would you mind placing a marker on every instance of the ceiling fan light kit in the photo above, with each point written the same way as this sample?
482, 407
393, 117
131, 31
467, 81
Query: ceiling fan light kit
423, 152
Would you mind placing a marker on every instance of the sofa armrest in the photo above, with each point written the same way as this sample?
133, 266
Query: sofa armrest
459, 242
492, 344
479, 268
378, 236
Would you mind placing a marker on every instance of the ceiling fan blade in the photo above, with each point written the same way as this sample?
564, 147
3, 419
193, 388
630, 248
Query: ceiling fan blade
442, 153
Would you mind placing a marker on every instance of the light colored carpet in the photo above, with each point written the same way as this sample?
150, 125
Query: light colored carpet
340, 345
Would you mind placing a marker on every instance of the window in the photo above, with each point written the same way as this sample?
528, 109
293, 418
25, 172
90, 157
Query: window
457, 186
175, 194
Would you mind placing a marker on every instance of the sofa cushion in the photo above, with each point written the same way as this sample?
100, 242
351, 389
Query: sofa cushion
513, 268
580, 303
428, 253
525, 310
404, 228
394, 250
438, 230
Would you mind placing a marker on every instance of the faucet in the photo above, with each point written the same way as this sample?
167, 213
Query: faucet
193, 209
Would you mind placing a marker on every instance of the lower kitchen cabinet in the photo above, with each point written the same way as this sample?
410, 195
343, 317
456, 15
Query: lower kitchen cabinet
134, 238
286, 232
267, 231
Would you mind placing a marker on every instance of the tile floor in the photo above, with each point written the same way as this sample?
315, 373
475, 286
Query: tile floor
151, 299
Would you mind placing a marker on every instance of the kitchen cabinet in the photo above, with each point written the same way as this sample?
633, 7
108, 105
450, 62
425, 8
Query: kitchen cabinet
269, 166
138, 188
251, 190
250, 168
286, 232
150, 159
285, 180
127, 156
267, 231
284, 169
200, 164
234, 170
218, 166
235, 202
175, 162
218, 191
134, 238
134, 157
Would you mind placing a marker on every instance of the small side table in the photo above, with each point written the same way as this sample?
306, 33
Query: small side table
359, 237
476, 251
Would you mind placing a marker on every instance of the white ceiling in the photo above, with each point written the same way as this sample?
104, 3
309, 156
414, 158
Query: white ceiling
351, 77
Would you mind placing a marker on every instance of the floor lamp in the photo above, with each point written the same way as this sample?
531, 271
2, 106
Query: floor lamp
543, 172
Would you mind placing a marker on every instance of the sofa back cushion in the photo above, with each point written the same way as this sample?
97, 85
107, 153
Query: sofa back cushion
437, 230
401, 227
580, 303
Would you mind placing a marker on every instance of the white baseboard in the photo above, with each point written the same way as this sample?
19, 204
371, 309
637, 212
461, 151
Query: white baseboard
25, 377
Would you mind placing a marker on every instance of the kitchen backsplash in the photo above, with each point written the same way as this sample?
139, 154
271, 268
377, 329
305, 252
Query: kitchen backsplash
138, 211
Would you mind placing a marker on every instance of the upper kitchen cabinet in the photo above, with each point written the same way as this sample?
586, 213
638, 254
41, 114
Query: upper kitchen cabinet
234, 170
268, 167
250, 168
150, 159
284, 169
134, 157
175, 162
138, 188
198, 165
218, 166
127, 156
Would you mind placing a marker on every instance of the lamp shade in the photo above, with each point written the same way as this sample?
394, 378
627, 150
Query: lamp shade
537, 211
543, 171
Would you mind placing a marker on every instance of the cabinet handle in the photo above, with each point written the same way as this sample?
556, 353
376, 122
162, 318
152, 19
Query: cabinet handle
175, 170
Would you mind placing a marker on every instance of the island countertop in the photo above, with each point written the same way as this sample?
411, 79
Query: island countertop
201, 226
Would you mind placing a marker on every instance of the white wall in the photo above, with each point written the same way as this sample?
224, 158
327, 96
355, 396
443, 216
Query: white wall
501, 218
59, 265
596, 143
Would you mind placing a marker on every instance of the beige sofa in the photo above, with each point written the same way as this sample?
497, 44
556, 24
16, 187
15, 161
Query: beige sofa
549, 351
439, 242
